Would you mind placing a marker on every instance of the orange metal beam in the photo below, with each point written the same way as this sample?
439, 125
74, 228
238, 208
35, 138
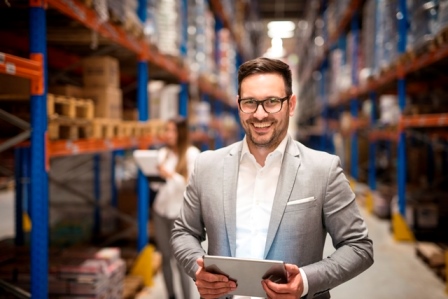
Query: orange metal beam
383, 135
424, 120
19, 62
60, 148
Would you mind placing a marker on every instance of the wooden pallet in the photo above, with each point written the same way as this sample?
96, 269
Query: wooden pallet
70, 129
104, 128
431, 253
131, 286
69, 107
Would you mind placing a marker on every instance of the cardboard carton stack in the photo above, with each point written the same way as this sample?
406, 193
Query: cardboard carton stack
75, 273
101, 77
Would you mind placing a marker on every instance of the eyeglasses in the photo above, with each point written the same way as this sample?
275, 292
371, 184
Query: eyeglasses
270, 105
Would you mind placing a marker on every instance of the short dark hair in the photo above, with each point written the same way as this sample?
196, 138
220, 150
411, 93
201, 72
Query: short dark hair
263, 65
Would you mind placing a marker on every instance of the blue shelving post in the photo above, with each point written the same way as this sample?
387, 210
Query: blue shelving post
372, 154
354, 104
203, 127
324, 101
97, 194
218, 109
142, 101
39, 175
400, 227
183, 95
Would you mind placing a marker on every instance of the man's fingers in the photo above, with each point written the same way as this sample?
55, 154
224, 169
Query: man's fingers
292, 269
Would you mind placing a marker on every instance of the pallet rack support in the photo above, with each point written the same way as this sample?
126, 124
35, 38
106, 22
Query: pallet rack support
183, 94
39, 166
97, 194
218, 109
400, 228
372, 155
324, 101
354, 104
205, 98
143, 111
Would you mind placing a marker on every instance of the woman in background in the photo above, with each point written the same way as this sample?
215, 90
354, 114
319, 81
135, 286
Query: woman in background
176, 162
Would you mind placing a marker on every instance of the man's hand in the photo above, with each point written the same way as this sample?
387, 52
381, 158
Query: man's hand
211, 285
291, 290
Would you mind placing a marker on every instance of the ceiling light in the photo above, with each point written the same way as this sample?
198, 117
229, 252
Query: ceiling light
281, 26
280, 34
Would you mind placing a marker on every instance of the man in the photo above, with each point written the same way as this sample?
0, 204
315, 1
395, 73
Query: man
270, 197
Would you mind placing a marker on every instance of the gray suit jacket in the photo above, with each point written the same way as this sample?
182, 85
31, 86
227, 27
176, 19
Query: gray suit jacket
296, 232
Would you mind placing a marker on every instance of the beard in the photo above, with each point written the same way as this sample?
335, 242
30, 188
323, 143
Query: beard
269, 140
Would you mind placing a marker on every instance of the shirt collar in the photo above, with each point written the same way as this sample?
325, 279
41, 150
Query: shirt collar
280, 148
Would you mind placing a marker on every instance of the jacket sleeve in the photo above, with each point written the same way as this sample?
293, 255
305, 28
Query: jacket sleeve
188, 231
342, 219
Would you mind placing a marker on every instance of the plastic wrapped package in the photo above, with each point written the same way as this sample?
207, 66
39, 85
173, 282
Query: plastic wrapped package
424, 22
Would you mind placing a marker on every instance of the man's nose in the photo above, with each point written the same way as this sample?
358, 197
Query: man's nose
260, 113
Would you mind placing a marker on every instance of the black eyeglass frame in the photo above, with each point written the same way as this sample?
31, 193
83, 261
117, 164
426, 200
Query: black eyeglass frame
262, 104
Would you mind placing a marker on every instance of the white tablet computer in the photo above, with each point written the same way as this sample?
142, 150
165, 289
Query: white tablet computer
147, 162
248, 273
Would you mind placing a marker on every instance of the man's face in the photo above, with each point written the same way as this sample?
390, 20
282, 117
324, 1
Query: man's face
265, 129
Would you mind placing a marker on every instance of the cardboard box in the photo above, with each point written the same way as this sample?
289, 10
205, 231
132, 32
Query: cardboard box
101, 71
66, 90
14, 88
108, 101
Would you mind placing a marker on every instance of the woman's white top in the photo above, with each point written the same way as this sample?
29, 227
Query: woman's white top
169, 199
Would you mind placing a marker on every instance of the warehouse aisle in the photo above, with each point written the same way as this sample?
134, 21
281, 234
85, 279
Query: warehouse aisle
396, 273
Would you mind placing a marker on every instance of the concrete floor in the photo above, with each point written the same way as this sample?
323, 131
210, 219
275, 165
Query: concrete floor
396, 274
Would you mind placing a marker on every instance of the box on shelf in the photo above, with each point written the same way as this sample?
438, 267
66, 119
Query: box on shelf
66, 90
108, 101
101, 71
14, 88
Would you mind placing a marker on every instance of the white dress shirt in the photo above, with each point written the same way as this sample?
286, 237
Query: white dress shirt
169, 199
255, 195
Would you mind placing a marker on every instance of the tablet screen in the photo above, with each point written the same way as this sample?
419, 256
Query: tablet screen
248, 273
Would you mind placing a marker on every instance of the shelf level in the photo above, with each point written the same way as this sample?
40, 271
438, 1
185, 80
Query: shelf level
424, 120
351, 10
398, 69
88, 17
60, 148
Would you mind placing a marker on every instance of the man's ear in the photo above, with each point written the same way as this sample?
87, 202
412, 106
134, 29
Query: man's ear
292, 104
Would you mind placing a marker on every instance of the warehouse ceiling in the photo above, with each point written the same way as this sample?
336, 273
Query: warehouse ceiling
281, 10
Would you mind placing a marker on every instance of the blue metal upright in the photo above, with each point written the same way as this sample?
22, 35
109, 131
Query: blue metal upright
205, 145
218, 109
39, 175
97, 194
142, 183
401, 175
372, 145
183, 94
324, 102
354, 104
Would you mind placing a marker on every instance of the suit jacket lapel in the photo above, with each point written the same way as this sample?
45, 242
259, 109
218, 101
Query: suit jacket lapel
230, 180
288, 173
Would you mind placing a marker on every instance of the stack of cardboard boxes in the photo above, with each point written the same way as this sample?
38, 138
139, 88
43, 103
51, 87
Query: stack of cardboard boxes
101, 78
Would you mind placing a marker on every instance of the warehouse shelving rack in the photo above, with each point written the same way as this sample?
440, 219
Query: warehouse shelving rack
35, 161
393, 79
406, 64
